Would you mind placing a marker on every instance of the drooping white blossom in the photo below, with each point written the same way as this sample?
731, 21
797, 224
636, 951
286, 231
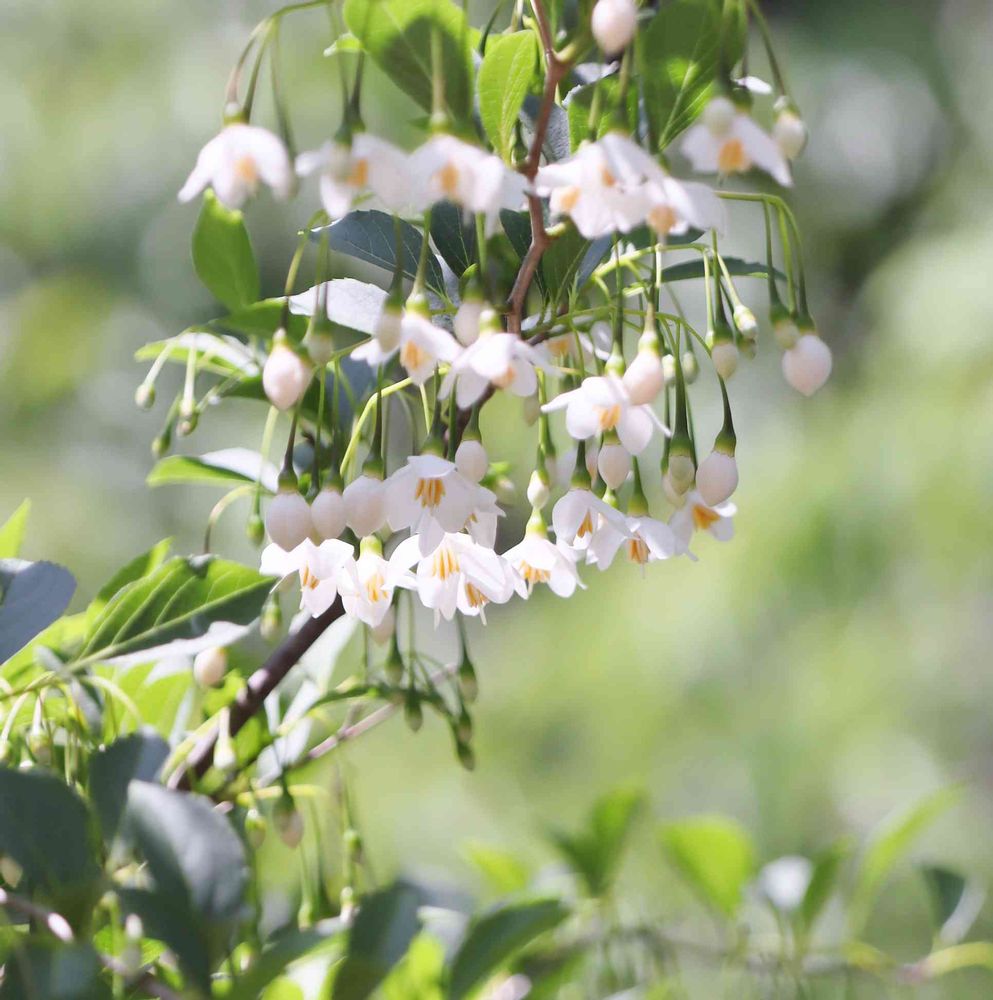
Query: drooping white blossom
717, 477
287, 518
643, 539
420, 343
328, 513
697, 515
320, 568
367, 584
579, 515
365, 504
538, 560
613, 23
497, 358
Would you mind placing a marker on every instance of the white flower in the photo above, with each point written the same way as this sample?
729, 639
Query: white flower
287, 518
421, 345
644, 540
431, 498
697, 515
367, 583
365, 505
602, 403
369, 163
790, 134
613, 23
485, 516
236, 161
538, 491
580, 515
717, 477
285, 375
728, 141
462, 575
502, 359
807, 365
471, 459
320, 568
328, 513
448, 168
784, 882
537, 560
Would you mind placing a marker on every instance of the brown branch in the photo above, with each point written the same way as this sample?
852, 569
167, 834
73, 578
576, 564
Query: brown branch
260, 685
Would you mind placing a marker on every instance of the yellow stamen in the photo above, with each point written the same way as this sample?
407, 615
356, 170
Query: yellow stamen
504, 380
704, 517
566, 198
609, 416
586, 528
445, 562
448, 178
375, 588
247, 170
662, 219
476, 597
307, 579
559, 347
637, 551
360, 173
608, 179
413, 356
429, 492
532, 575
732, 158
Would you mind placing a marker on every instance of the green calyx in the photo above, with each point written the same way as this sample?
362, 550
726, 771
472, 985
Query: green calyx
580, 474
287, 482
417, 303
536, 524
370, 545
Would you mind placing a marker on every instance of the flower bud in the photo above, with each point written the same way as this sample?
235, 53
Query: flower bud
255, 828
255, 528
669, 367
745, 321
467, 758
209, 666
538, 490
718, 115
614, 464
285, 376
681, 472
385, 630
467, 318
645, 377
289, 822
717, 477
691, 367
365, 505
807, 365
614, 23
187, 425
10, 871
319, 342
287, 518
725, 357
790, 134
144, 396
387, 329
225, 758
271, 621
471, 460
468, 684
394, 662
327, 513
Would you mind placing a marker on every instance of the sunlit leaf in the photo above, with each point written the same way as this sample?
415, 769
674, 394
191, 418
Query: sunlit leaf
223, 255
504, 872
12, 531
230, 467
504, 80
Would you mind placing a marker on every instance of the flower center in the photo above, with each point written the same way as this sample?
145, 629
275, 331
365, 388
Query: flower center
502, 381
586, 528
609, 416
566, 198
532, 575
732, 157
607, 178
662, 218
637, 551
307, 579
247, 170
375, 588
475, 596
444, 562
448, 178
704, 517
359, 175
559, 347
430, 493
413, 356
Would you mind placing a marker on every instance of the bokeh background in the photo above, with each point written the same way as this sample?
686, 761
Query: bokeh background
831, 664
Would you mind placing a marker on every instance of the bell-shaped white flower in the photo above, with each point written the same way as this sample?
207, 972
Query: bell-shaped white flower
285, 375
538, 489
365, 504
697, 515
430, 497
807, 365
471, 459
449, 168
613, 23
367, 584
236, 162
497, 358
349, 170
717, 477
328, 513
287, 518
603, 403
462, 575
580, 515
485, 517
643, 539
320, 568
728, 141
537, 560
421, 345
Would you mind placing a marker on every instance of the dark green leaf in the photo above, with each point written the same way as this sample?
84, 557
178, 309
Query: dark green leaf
495, 938
370, 236
579, 104
691, 269
382, 932
180, 600
288, 947
230, 467
32, 596
715, 856
12, 531
138, 756
455, 242
48, 970
223, 256
397, 34
504, 80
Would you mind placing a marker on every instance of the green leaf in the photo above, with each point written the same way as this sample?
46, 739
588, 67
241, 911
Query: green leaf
230, 467
370, 236
48, 970
504, 872
46, 829
383, 929
689, 270
504, 80
140, 566
714, 855
138, 756
891, 840
822, 880
495, 938
223, 256
579, 102
12, 532
595, 853
397, 34
32, 596
678, 57
288, 947
455, 242
262, 319
419, 974
179, 601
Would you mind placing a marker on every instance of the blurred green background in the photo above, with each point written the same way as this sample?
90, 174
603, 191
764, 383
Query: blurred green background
831, 664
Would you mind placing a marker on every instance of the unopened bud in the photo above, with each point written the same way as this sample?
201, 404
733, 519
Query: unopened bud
718, 115
613, 23
351, 840
790, 134
255, 528
10, 871
468, 683
467, 318
681, 472
187, 425
255, 828
387, 329
319, 342
691, 367
327, 513
645, 377
144, 396
285, 375
471, 460
365, 505
745, 322
717, 477
210, 665
807, 365
271, 622
287, 518
412, 710
614, 465
467, 758
784, 329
